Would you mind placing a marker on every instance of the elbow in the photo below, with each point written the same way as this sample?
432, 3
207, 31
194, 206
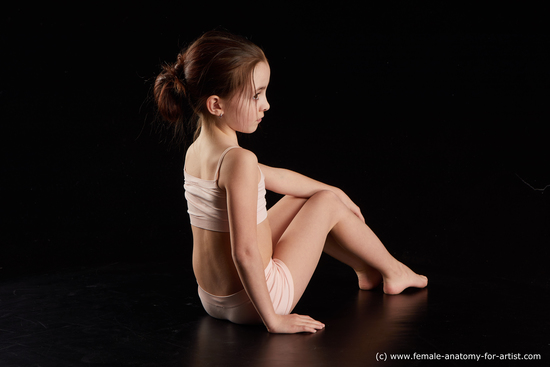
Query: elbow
243, 254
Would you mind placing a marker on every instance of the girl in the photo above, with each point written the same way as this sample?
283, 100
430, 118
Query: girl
253, 265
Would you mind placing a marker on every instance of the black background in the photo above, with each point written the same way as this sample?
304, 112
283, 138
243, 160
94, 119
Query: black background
432, 117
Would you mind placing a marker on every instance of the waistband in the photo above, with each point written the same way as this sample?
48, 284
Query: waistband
232, 300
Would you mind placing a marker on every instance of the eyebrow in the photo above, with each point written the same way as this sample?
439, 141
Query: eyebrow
260, 89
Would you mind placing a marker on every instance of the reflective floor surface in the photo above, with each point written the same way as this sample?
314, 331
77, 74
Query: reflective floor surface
430, 115
150, 315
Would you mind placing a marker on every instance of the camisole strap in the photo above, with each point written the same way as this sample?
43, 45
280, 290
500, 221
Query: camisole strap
221, 159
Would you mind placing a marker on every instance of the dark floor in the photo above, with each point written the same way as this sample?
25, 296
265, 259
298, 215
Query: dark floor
150, 315
432, 119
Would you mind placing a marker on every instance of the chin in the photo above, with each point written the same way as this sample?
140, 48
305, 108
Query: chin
250, 129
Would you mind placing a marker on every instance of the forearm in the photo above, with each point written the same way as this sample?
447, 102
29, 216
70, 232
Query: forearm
291, 183
252, 274
287, 182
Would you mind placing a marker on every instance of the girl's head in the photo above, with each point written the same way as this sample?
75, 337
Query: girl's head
215, 76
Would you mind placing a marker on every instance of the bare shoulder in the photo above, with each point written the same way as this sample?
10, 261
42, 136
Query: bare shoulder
238, 164
240, 156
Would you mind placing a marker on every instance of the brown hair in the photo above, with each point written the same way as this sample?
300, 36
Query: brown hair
217, 63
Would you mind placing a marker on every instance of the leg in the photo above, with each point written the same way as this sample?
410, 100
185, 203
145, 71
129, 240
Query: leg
357, 237
368, 277
299, 235
283, 213
301, 244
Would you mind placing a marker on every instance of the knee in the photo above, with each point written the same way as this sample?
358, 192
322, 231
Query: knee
328, 199
293, 200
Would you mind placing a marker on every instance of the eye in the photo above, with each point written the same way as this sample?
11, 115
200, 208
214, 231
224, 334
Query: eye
256, 96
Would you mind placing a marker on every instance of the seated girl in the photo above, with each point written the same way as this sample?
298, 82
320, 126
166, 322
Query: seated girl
253, 265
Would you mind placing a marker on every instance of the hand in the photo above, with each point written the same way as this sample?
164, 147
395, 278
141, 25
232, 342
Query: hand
294, 323
350, 204
355, 210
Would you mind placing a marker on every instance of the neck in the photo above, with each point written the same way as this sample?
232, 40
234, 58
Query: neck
218, 134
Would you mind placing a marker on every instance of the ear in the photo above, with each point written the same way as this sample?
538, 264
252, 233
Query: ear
214, 104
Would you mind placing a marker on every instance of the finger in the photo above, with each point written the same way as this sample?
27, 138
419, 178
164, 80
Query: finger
309, 329
319, 325
309, 318
360, 215
315, 327
306, 318
315, 324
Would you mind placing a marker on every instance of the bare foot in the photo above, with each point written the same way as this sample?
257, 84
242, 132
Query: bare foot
369, 278
404, 279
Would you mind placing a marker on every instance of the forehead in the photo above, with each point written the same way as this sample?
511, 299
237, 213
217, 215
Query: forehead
262, 73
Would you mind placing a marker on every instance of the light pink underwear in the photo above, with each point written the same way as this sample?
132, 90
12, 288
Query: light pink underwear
239, 309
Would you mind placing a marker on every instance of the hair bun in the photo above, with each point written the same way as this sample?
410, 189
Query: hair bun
170, 94
179, 80
217, 63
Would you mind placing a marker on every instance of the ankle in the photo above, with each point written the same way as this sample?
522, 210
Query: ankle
395, 271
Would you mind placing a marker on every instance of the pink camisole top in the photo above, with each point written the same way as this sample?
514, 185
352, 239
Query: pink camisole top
207, 203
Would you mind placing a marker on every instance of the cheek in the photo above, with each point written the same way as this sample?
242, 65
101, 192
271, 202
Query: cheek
245, 113
254, 116
250, 111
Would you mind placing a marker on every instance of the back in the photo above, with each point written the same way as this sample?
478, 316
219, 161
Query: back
207, 203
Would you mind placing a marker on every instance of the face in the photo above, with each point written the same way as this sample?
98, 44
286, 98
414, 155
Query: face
245, 113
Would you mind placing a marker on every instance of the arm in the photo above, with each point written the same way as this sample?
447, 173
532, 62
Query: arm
239, 177
287, 182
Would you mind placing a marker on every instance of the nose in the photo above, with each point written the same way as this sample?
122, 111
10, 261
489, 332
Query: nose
266, 106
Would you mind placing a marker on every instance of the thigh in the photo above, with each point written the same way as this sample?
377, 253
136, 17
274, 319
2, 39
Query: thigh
302, 231
281, 215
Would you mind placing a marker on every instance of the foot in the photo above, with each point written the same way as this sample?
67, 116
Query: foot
369, 278
403, 279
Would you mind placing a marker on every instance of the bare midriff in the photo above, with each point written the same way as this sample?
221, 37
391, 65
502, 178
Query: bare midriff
213, 262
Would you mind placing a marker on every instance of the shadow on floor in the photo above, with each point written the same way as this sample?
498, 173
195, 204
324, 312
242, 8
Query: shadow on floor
150, 315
